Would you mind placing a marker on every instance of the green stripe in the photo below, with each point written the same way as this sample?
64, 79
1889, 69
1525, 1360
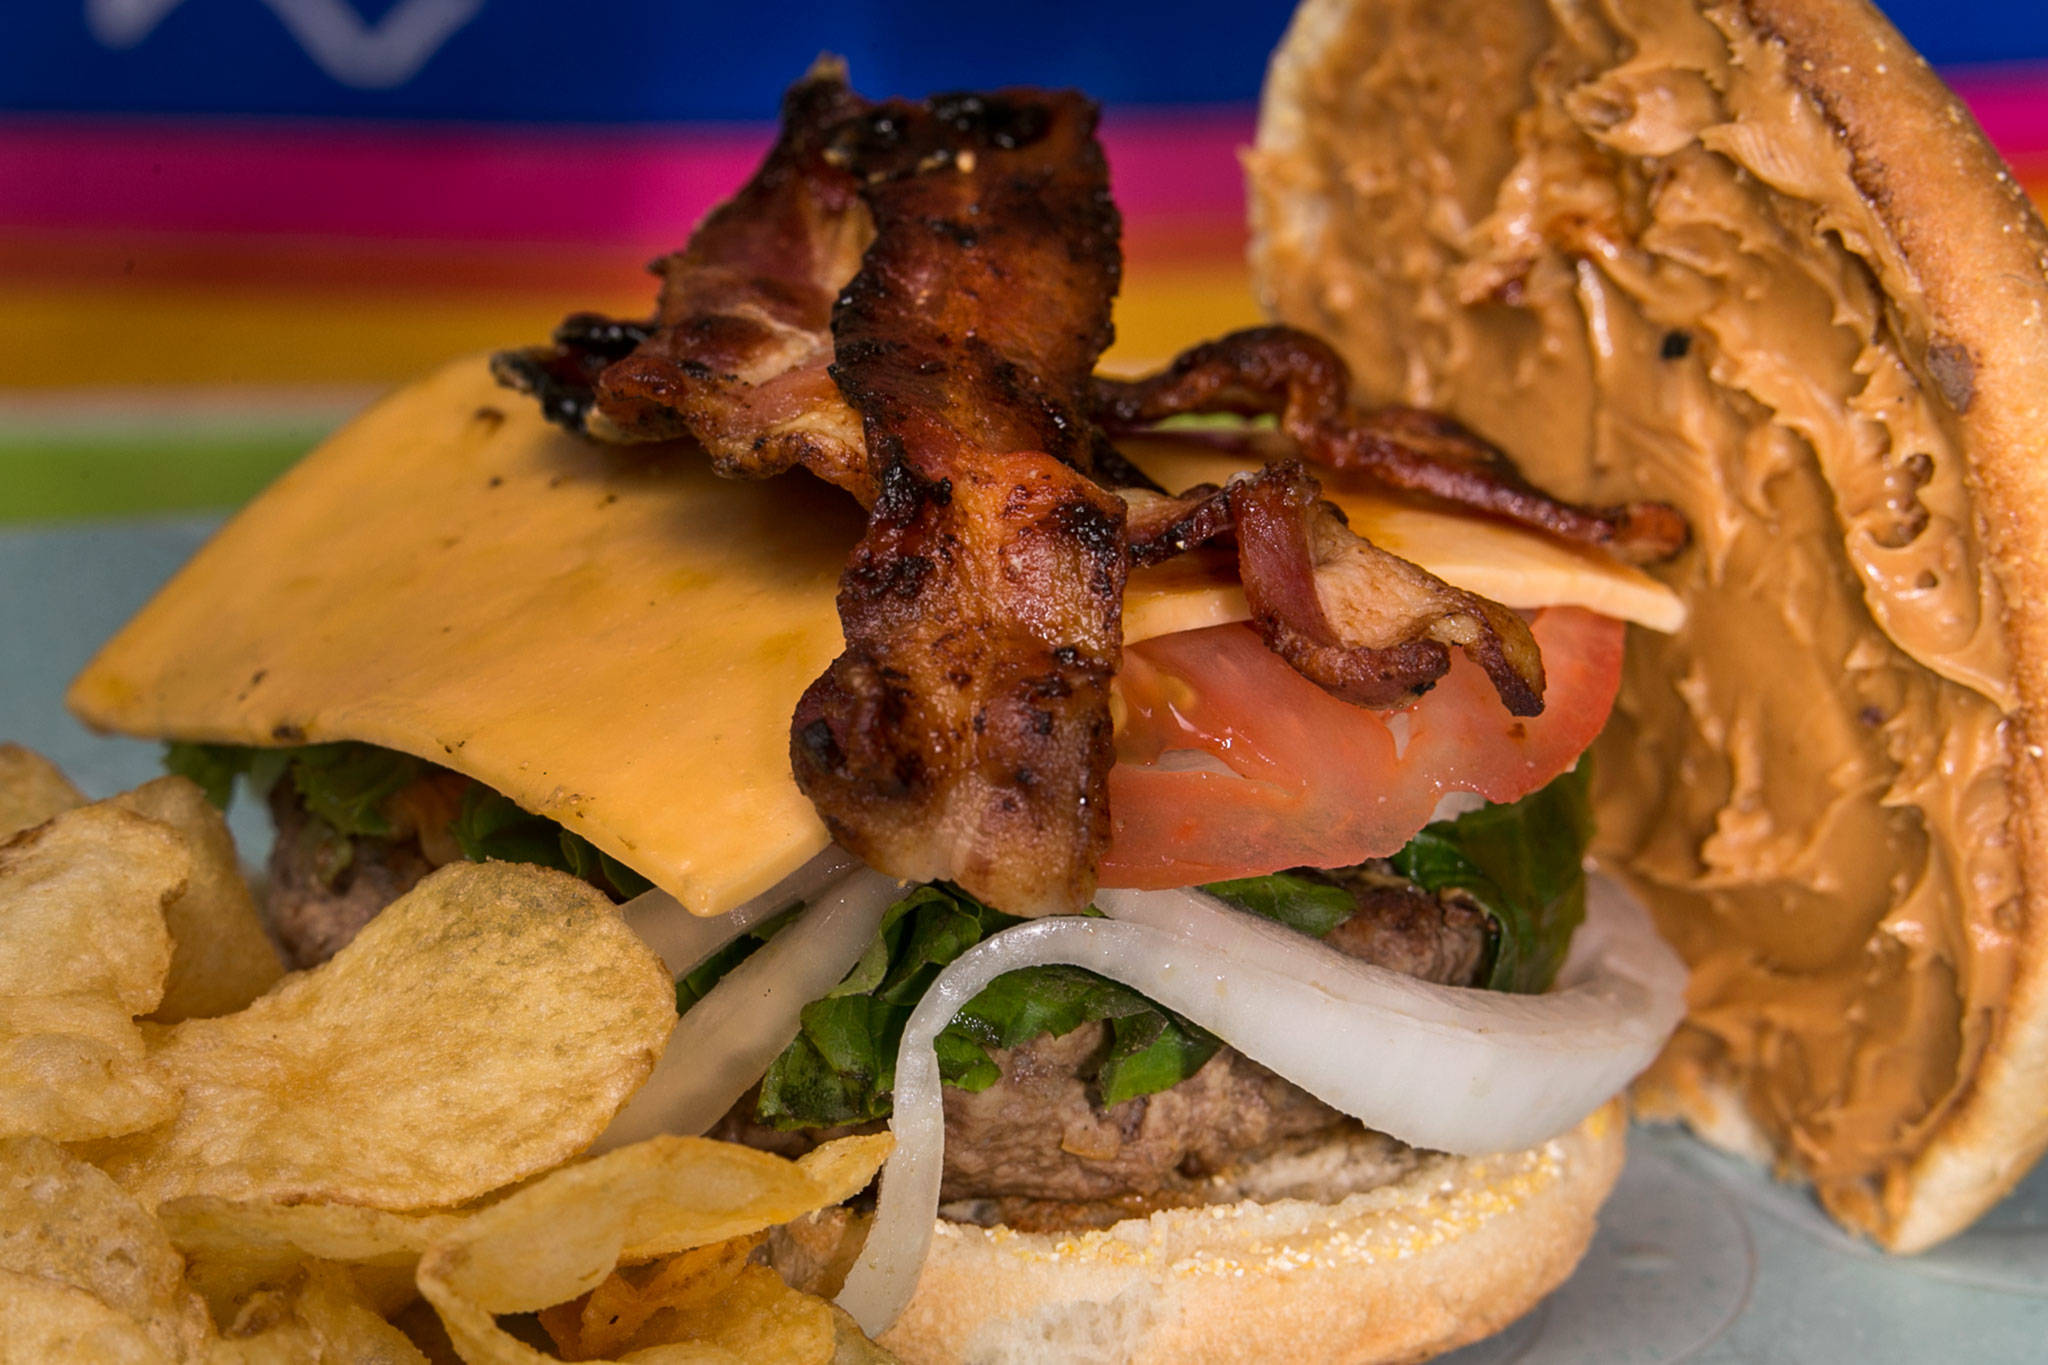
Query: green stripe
63, 475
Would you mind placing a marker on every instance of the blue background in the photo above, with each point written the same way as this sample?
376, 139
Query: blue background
590, 61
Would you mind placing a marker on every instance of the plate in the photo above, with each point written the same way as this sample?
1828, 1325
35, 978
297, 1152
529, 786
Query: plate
1699, 1257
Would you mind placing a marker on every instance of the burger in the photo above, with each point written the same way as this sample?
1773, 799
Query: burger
1162, 799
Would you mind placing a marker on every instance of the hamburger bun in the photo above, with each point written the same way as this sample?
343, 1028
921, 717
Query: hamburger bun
1755, 259
1452, 1251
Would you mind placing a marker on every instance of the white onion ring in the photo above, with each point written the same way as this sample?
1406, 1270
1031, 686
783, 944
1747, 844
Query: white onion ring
683, 940
726, 1041
1454, 1069
1450, 1068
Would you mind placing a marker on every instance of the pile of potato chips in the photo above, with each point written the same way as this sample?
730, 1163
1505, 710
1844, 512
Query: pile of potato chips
205, 1159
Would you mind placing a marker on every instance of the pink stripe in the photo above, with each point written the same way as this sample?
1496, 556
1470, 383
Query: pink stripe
527, 184
419, 183
2012, 104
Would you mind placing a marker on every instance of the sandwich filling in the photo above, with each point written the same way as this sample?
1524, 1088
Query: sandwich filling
1072, 1100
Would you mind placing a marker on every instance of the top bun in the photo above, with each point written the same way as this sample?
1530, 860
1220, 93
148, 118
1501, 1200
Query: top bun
1755, 259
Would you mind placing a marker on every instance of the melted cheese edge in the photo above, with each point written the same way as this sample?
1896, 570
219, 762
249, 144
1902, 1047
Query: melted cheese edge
613, 637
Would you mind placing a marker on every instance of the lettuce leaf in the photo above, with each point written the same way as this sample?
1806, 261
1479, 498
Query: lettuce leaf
217, 767
492, 826
1524, 863
1150, 1048
1520, 861
842, 1066
344, 787
1300, 902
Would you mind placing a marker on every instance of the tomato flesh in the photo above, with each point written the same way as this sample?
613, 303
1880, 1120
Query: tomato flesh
1231, 764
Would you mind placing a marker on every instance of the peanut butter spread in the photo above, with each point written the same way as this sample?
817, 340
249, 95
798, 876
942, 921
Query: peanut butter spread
1618, 239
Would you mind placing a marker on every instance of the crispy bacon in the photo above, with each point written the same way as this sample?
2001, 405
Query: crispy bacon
1288, 374
909, 300
562, 376
739, 352
965, 732
1365, 625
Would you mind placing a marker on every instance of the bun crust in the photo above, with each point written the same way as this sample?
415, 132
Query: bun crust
1897, 198
1972, 247
1453, 1252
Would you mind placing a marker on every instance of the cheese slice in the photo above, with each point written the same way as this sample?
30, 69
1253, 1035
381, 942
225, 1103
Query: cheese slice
613, 637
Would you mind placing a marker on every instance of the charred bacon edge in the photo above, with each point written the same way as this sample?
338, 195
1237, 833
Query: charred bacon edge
737, 356
1284, 373
1286, 537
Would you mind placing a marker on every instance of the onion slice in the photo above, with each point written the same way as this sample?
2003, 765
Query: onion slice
684, 940
1443, 1067
726, 1041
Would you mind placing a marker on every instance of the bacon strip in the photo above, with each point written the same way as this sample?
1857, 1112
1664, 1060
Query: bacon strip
1363, 624
739, 354
909, 301
563, 376
1288, 374
965, 732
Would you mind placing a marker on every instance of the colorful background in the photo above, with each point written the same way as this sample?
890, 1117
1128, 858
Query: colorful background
224, 224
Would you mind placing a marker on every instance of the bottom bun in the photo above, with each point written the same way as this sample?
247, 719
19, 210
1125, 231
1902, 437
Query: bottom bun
1454, 1250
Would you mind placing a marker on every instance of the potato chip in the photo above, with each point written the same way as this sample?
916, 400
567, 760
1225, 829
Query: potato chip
422, 1326
31, 790
603, 1321
46, 1320
81, 907
83, 949
74, 1068
232, 1248
221, 958
561, 1237
759, 1319
63, 1221
318, 1318
483, 1028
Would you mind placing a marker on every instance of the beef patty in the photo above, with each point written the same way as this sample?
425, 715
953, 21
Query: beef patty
325, 886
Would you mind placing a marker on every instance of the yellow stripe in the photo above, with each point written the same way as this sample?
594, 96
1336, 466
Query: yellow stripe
94, 336
98, 335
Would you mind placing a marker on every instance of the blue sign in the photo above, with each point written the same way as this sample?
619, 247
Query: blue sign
593, 61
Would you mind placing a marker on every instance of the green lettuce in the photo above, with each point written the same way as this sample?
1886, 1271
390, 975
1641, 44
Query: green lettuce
842, 1066
491, 826
1312, 906
344, 787
217, 767
1524, 864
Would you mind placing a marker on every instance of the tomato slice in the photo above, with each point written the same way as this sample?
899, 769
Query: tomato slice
1231, 764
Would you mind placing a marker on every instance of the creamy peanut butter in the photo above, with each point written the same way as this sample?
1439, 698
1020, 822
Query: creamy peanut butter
1643, 266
